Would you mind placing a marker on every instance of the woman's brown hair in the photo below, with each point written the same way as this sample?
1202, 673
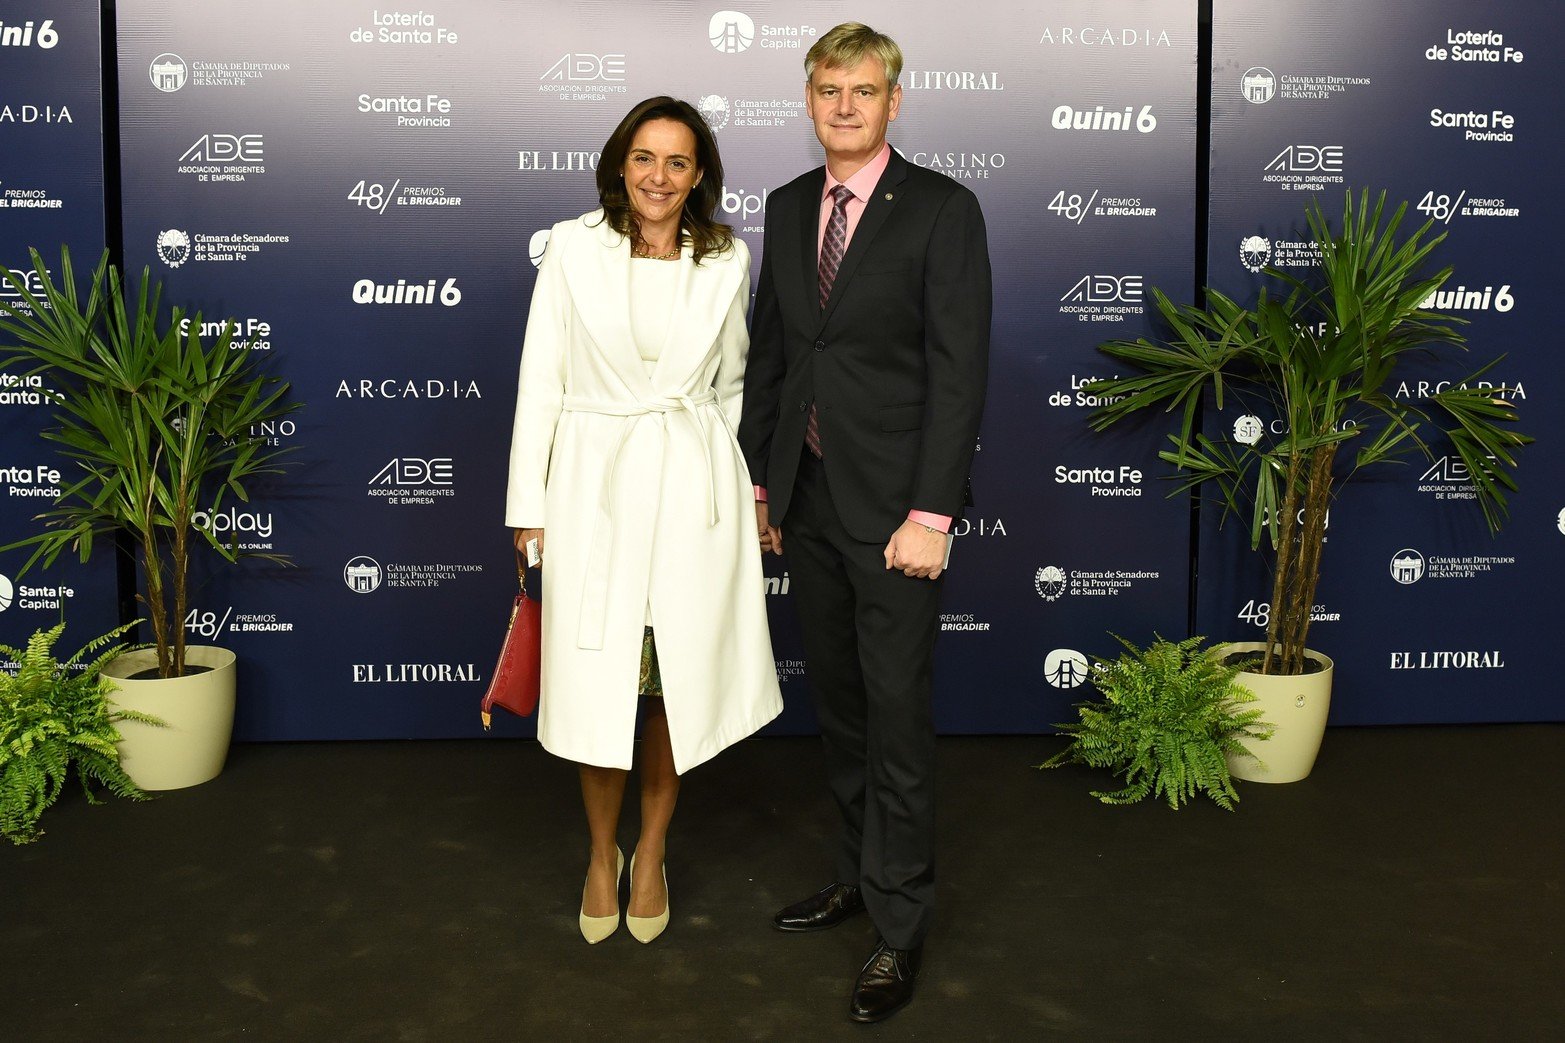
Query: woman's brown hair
698, 226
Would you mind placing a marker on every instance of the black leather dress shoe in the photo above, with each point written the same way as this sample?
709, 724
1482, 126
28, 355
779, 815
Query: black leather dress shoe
829, 907
885, 984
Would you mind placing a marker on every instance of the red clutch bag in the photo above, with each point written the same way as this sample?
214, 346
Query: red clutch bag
514, 685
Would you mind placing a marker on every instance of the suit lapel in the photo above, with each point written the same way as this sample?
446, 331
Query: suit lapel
876, 209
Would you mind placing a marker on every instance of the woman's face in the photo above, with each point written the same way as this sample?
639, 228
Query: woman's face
660, 170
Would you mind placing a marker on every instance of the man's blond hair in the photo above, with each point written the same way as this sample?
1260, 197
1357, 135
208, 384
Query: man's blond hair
846, 45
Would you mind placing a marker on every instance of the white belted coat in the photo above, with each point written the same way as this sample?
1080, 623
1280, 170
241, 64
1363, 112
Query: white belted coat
644, 499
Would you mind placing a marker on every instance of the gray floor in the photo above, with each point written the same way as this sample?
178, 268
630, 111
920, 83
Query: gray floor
1411, 888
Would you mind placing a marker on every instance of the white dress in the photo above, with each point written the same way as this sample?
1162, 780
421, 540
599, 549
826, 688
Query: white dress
631, 467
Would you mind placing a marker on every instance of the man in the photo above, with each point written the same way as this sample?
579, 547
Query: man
864, 388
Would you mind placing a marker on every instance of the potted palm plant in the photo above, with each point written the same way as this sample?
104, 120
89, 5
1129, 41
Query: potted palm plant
1321, 355
157, 421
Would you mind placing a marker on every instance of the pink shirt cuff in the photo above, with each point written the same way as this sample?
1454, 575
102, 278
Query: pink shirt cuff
934, 521
760, 494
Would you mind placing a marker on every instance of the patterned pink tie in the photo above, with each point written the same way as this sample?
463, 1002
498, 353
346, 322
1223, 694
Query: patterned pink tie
832, 246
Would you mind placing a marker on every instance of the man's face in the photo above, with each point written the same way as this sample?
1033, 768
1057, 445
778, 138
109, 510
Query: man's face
852, 108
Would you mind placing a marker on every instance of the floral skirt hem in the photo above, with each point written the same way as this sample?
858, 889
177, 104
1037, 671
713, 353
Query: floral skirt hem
651, 683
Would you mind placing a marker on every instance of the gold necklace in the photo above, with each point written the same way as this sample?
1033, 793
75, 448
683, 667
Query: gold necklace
660, 257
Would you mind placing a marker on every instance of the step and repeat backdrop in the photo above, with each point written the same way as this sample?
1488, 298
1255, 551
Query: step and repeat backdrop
51, 192
366, 193
1452, 106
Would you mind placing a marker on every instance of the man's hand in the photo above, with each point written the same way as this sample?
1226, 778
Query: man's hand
523, 535
771, 536
918, 550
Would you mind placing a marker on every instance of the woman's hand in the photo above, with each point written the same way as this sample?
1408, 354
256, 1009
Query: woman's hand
523, 535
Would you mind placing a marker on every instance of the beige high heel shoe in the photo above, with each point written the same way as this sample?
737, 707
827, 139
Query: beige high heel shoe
645, 928
597, 928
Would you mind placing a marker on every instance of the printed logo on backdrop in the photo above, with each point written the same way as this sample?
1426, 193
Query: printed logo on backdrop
1260, 85
430, 292
719, 112
409, 111
32, 113
1461, 298
34, 599
1127, 120
951, 80
1305, 168
1073, 208
212, 625
408, 388
1257, 251
365, 575
256, 333
403, 29
374, 197
1473, 47
1123, 37
224, 157
1559, 521
1248, 429
28, 199
963, 622
176, 246
1448, 479
584, 76
789, 670
24, 389
1053, 582
959, 166
537, 245
1408, 565
414, 673
558, 160
1122, 480
1065, 668
1259, 614
41, 35
1105, 298
1494, 125
1449, 659
169, 72
1440, 206
273, 432
412, 480
40, 481
733, 32
743, 206
245, 530
776, 586
1076, 395
1424, 388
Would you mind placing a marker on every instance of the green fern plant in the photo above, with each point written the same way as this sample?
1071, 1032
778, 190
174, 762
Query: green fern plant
1171, 713
55, 716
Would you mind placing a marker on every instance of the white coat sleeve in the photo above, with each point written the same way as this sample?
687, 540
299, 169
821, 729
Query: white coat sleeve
734, 342
540, 389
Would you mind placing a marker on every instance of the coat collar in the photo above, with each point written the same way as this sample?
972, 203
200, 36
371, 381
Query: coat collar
598, 271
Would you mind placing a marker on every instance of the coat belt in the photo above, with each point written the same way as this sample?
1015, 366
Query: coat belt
595, 593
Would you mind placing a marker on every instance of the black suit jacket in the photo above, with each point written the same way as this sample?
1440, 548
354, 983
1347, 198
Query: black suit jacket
896, 362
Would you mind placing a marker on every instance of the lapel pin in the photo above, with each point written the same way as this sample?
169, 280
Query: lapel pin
888, 195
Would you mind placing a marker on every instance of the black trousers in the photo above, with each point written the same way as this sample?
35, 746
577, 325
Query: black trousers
869, 635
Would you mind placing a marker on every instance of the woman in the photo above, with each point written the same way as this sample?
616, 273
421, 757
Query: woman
625, 470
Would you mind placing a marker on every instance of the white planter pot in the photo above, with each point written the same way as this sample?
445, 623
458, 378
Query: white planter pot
198, 709
1297, 706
